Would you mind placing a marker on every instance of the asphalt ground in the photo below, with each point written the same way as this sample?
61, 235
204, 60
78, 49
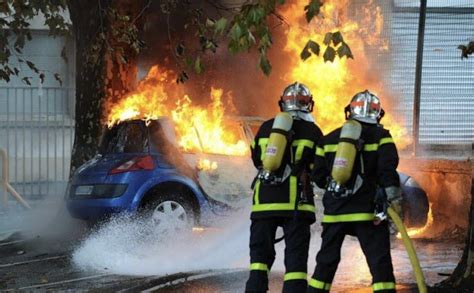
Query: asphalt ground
45, 264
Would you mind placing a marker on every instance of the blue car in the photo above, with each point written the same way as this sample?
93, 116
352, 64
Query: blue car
140, 169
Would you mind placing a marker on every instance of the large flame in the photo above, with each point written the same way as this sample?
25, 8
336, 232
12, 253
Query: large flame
203, 128
334, 83
199, 129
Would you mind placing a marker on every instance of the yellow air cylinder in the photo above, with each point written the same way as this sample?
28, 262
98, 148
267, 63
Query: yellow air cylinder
277, 142
346, 152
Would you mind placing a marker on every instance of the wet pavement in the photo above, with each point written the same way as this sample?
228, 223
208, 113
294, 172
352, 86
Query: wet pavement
46, 263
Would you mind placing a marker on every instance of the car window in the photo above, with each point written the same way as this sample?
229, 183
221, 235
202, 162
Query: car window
127, 137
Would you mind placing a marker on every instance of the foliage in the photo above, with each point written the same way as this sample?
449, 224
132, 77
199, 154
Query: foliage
247, 29
242, 29
15, 17
118, 35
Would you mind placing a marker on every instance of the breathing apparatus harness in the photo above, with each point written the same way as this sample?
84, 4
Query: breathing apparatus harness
349, 148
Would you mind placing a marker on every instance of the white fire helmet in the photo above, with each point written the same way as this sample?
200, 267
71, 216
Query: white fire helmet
365, 107
296, 97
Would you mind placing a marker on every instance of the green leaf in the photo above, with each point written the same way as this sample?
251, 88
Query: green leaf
235, 32
313, 46
329, 54
32, 66
310, 45
198, 68
337, 38
344, 50
265, 40
255, 14
327, 39
210, 22
58, 78
305, 54
4, 76
211, 45
182, 77
26, 80
189, 61
265, 64
220, 26
312, 9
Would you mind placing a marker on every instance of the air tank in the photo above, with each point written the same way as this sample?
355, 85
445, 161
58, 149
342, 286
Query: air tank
277, 142
346, 152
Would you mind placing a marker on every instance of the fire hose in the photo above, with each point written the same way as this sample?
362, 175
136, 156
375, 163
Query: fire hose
415, 263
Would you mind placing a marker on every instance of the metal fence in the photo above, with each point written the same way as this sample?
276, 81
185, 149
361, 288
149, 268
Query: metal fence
443, 84
36, 129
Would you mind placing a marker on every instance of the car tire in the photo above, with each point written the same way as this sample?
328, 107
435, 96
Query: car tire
170, 212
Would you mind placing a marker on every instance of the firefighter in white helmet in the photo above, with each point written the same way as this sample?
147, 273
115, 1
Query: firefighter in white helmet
282, 151
353, 163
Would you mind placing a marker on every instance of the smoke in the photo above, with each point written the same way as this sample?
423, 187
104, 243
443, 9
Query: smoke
48, 222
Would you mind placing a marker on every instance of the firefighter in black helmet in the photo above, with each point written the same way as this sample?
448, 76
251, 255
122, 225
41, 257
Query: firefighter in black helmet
282, 151
350, 207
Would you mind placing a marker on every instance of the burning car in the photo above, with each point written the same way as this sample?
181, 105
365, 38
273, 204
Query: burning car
140, 168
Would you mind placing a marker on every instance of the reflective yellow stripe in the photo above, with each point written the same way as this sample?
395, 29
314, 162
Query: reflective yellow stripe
293, 190
319, 152
319, 284
371, 147
267, 207
286, 206
295, 276
306, 207
386, 140
330, 148
300, 144
357, 217
258, 266
383, 286
303, 142
262, 142
252, 144
257, 192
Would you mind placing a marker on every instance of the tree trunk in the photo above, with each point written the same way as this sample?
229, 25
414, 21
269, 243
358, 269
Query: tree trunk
90, 79
97, 82
462, 279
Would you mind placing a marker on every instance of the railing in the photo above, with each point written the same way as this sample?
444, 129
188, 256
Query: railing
7, 188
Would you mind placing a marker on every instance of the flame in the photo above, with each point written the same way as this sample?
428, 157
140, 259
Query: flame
206, 165
334, 83
199, 129
419, 232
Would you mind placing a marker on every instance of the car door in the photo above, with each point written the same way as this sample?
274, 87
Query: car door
227, 178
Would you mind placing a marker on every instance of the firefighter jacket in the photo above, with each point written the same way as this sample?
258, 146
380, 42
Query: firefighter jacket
376, 162
282, 199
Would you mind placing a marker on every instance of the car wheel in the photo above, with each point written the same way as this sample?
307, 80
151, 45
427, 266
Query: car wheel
170, 212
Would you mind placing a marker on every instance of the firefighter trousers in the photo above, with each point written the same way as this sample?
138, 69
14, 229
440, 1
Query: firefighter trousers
375, 243
262, 253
